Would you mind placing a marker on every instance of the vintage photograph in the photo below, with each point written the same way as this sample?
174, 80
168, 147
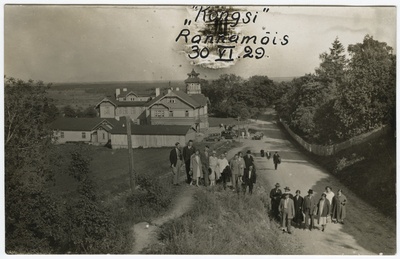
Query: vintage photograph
200, 129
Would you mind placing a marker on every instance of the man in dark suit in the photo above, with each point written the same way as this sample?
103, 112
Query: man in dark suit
188, 151
309, 204
175, 158
248, 159
298, 209
277, 159
249, 179
275, 196
286, 208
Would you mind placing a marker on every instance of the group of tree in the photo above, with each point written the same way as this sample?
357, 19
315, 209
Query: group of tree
69, 111
345, 97
232, 96
37, 220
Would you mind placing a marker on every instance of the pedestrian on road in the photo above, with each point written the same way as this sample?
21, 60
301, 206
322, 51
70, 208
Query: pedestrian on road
323, 210
213, 166
248, 160
309, 204
222, 164
329, 197
175, 159
277, 159
205, 160
242, 164
338, 207
188, 151
196, 167
268, 155
236, 169
249, 179
286, 208
275, 196
298, 209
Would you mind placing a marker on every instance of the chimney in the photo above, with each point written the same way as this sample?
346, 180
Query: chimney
117, 92
157, 91
117, 118
177, 89
124, 89
169, 90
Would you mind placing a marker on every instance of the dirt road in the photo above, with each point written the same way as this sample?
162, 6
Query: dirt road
366, 231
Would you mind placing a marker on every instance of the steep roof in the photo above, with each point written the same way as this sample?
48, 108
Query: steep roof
192, 80
195, 101
152, 129
117, 103
79, 124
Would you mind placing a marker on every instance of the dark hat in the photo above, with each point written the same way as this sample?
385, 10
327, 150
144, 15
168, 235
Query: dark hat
287, 188
277, 185
248, 152
177, 143
310, 191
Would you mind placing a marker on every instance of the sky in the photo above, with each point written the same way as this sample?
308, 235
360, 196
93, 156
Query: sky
137, 43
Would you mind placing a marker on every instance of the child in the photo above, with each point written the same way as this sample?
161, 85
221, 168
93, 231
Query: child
212, 176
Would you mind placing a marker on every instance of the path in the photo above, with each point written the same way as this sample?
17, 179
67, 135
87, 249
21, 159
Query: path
366, 231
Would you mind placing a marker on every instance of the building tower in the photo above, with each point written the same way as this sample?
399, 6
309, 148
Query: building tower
193, 85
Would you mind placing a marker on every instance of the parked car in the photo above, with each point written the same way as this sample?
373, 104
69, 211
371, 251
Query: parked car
228, 135
258, 136
213, 137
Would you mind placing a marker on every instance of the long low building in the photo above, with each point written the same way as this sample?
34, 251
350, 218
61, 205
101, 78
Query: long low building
147, 136
100, 131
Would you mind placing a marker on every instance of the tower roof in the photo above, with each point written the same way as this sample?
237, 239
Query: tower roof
193, 74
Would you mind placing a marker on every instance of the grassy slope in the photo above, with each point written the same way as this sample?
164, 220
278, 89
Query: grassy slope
368, 169
220, 222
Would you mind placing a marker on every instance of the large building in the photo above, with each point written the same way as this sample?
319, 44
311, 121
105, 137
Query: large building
175, 107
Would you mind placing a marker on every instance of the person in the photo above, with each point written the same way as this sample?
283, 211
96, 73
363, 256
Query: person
277, 159
236, 169
286, 208
175, 159
323, 210
211, 176
298, 210
196, 167
329, 197
241, 161
188, 151
275, 196
213, 166
287, 191
248, 159
262, 153
249, 179
308, 210
338, 207
222, 164
205, 160
268, 155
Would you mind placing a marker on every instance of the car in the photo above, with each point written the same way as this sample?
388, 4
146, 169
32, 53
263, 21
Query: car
258, 136
228, 135
213, 137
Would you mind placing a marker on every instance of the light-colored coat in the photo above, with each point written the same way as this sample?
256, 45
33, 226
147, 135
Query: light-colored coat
196, 166
290, 207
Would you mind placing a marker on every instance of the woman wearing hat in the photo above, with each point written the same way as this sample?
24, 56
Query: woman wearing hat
339, 208
213, 164
323, 209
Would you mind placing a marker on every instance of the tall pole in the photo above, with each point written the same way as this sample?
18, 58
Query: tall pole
130, 152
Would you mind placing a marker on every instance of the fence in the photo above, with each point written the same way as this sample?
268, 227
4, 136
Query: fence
329, 150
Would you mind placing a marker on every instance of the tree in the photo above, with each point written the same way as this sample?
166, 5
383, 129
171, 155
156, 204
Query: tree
70, 112
89, 112
31, 213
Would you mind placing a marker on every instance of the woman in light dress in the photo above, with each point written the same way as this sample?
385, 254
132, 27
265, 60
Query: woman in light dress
196, 167
213, 162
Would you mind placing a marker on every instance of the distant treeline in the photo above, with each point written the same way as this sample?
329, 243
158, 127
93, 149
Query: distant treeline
344, 97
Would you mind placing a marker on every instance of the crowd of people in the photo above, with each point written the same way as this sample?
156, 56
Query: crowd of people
305, 211
207, 168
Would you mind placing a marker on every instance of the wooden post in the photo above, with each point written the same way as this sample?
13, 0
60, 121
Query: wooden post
130, 151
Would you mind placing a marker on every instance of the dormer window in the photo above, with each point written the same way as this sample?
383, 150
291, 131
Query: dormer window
171, 100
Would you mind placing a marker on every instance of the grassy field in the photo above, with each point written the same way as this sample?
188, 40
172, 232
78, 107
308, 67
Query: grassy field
220, 222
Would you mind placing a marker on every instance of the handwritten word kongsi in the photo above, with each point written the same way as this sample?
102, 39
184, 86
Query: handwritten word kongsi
219, 37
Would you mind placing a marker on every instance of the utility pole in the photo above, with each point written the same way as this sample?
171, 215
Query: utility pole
132, 176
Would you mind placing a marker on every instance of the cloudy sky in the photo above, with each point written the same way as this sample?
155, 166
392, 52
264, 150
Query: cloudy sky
127, 43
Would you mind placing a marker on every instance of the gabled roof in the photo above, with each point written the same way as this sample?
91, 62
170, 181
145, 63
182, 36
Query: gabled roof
117, 103
138, 94
80, 124
194, 102
152, 129
200, 99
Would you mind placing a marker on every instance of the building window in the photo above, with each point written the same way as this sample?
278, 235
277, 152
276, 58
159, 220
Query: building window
107, 110
171, 100
83, 134
171, 113
104, 136
159, 113
186, 113
62, 134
